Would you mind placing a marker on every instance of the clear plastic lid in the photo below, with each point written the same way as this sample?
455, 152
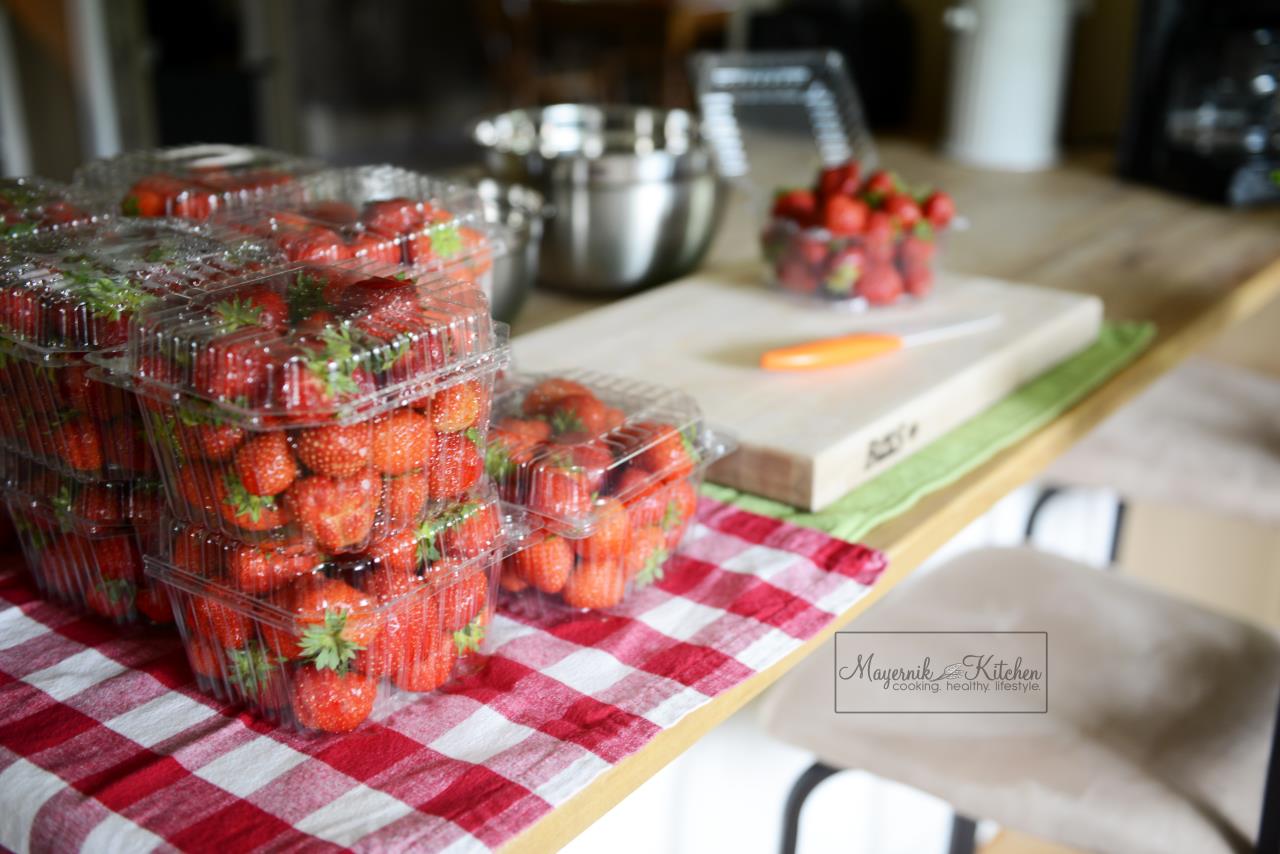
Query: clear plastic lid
294, 585
312, 344
35, 205
87, 508
192, 181
563, 444
375, 213
75, 289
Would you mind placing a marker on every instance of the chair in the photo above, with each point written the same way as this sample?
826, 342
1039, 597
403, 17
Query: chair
1160, 714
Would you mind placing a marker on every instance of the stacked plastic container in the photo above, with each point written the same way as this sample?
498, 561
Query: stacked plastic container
320, 432
607, 470
75, 446
34, 205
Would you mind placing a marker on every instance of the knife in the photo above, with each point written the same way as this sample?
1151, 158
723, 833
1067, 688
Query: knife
860, 346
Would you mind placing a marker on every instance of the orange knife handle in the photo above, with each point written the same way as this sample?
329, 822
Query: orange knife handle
830, 352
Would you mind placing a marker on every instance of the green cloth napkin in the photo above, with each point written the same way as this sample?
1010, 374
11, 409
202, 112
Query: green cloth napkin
966, 447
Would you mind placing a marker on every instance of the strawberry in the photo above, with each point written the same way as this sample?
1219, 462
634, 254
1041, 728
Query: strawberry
797, 276
916, 259
608, 539
249, 510
201, 488
880, 235
258, 306
332, 702
337, 513
903, 208
939, 209
542, 397
314, 243
205, 659
124, 447
215, 622
92, 502
261, 569
153, 603
429, 668
596, 584
640, 491
21, 313
265, 464
843, 270
668, 453
648, 552
91, 396
844, 216
117, 558
578, 418
79, 444
257, 677
470, 530
463, 598
546, 564
558, 487
111, 599
439, 242
337, 451
403, 499
681, 505
880, 285
799, 205
371, 246
321, 371
395, 553
531, 430
512, 582
402, 441
880, 185
456, 407
332, 623
212, 441
332, 211
187, 552
394, 216
232, 368
456, 464
411, 621
841, 180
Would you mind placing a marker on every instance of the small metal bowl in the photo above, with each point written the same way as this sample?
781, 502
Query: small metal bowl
516, 214
636, 193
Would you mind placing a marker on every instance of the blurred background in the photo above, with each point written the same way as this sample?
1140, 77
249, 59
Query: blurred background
401, 81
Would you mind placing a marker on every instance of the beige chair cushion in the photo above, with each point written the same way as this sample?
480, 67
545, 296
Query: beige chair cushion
1159, 724
1205, 435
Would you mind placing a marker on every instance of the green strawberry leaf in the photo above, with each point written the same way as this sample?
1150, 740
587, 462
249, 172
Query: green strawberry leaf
566, 421
652, 569
446, 241
305, 297
497, 462
237, 314
428, 537
251, 667
129, 207
325, 647
244, 502
469, 639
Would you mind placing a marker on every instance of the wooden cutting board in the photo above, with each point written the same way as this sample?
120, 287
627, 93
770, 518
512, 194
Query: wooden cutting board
808, 438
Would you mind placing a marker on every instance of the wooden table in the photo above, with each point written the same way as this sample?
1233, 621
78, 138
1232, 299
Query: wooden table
1192, 269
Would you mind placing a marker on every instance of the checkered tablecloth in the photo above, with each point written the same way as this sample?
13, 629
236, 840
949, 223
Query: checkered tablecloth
105, 744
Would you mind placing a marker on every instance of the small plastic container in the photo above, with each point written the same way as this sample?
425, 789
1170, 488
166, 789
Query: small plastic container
83, 542
321, 643
855, 273
36, 206
316, 404
65, 294
607, 470
379, 213
192, 181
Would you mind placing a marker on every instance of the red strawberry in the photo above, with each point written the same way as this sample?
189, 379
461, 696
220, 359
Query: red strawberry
332, 702
844, 216
232, 368
403, 499
257, 306
111, 599
395, 554
844, 269
608, 539
667, 452
315, 243
916, 258
202, 488
338, 451
117, 558
648, 553
402, 441
470, 530
79, 444
265, 464
205, 659
332, 211
880, 285
463, 599
456, 464
681, 505
430, 667
797, 275
597, 584
258, 570
337, 513
531, 430
939, 209
510, 581
880, 185
542, 397
394, 216
545, 565
881, 231
211, 441
903, 209
249, 510
578, 418
96, 502
217, 623
799, 205
640, 492
153, 603
456, 407
187, 552
372, 246
21, 313
332, 623
839, 180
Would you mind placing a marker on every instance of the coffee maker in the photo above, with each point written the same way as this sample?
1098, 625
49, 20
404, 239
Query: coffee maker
1204, 116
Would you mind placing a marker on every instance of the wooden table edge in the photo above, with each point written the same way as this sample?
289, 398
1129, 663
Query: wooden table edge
909, 540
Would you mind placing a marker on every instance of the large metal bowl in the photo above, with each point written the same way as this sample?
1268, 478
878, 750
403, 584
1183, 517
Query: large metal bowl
635, 194
516, 214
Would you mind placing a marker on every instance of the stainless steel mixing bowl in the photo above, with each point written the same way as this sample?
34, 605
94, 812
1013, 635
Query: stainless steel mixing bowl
635, 192
516, 214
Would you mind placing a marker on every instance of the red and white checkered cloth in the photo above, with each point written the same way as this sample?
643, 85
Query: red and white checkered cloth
105, 744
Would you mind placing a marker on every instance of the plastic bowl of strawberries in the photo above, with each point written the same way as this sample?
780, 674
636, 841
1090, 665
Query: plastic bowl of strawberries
607, 471
83, 541
192, 181
856, 243
69, 293
321, 642
325, 405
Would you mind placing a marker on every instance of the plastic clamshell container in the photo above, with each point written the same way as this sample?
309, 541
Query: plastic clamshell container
379, 213
68, 293
321, 643
83, 542
607, 470
192, 181
853, 273
318, 404
36, 205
